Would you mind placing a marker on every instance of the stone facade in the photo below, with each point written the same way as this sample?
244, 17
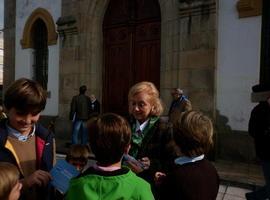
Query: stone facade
188, 60
9, 40
1, 56
187, 50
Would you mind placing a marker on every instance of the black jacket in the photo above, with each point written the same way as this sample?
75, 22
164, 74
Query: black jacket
94, 108
259, 129
80, 105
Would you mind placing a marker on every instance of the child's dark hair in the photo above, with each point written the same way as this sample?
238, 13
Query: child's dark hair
193, 133
26, 96
78, 152
109, 137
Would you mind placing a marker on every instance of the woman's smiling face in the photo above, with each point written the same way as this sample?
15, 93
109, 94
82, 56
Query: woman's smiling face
140, 106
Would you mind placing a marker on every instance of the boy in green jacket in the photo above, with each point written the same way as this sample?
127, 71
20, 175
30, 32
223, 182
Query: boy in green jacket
109, 137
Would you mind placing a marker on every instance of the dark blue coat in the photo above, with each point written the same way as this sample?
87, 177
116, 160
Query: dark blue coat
44, 149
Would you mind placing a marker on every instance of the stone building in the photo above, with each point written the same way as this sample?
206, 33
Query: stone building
209, 48
1, 56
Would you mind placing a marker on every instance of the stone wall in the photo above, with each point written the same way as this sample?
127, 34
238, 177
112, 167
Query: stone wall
188, 60
81, 50
9, 43
187, 50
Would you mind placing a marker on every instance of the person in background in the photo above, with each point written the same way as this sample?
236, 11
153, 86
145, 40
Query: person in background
259, 130
79, 114
179, 105
94, 106
24, 142
77, 156
10, 185
194, 177
107, 180
151, 135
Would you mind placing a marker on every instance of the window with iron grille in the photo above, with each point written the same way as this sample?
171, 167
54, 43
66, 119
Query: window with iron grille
40, 41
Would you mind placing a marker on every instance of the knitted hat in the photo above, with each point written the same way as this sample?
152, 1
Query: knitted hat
260, 92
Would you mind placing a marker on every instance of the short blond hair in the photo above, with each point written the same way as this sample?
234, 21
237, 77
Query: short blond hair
150, 89
9, 176
193, 133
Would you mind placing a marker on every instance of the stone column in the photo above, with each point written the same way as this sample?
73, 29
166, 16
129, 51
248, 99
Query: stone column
9, 43
198, 52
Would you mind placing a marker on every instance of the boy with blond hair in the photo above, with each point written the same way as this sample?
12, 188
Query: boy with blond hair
194, 177
10, 186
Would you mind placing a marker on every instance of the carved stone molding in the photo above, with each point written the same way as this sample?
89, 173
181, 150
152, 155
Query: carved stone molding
67, 26
44, 15
249, 8
196, 7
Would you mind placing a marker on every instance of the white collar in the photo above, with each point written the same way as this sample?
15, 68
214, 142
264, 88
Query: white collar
106, 169
16, 134
142, 126
184, 159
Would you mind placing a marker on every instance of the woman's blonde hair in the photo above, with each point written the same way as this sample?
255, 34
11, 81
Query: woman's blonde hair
150, 89
193, 133
9, 176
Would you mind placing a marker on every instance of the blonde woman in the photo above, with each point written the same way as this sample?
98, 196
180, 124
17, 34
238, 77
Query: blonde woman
10, 186
150, 135
194, 177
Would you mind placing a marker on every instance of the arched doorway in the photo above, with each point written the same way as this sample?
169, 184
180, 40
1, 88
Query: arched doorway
131, 31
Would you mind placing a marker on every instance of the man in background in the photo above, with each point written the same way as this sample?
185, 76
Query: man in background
79, 114
259, 130
94, 106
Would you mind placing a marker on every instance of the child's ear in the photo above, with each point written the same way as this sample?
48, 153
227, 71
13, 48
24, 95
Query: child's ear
127, 149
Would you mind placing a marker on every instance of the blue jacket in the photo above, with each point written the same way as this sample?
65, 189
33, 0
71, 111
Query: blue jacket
44, 150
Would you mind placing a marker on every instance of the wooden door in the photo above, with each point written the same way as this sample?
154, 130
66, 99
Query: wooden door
131, 31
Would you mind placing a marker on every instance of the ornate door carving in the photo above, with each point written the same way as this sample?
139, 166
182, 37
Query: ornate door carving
131, 32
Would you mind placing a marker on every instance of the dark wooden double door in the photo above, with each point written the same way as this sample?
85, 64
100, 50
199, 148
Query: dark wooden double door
131, 31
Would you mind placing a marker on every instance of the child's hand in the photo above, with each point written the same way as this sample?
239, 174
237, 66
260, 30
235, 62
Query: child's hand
159, 177
39, 178
134, 167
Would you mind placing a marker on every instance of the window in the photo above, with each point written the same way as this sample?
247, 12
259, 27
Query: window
40, 45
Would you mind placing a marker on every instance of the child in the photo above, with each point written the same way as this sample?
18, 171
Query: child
194, 177
9, 182
109, 138
78, 156
23, 141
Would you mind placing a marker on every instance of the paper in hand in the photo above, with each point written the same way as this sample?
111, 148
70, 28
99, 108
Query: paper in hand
62, 172
133, 160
